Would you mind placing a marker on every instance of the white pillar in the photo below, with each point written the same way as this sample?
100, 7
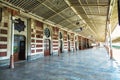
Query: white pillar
28, 39
110, 36
12, 43
110, 41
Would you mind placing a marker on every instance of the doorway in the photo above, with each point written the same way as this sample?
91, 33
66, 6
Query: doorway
76, 45
61, 46
68, 45
79, 45
47, 47
19, 47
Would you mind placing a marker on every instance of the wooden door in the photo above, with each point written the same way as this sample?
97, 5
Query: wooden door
19, 47
22, 50
68, 45
46, 47
61, 45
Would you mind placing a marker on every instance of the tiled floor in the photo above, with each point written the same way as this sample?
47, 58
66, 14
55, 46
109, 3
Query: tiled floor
116, 54
91, 64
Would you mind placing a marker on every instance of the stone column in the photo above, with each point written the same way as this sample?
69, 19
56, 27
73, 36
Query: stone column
29, 39
12, 43
110, 41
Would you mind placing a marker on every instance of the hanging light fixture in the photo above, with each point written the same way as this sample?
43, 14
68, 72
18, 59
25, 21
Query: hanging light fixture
81, 28
57, 2
77, 22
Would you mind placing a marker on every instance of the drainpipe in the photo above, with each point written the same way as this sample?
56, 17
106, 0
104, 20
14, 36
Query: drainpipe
107, 39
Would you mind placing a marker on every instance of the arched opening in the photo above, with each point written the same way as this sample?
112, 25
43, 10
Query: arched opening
61, 46
68, 42
68, 45
19, 47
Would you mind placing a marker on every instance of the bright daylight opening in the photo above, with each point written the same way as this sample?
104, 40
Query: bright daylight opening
116, 43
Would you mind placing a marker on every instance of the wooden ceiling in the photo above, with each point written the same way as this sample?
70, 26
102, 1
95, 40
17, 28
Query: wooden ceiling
89, 15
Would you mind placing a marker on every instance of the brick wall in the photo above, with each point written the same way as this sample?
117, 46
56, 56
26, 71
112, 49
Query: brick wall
4, 26
65, 40
55, 39
72, 40
36, 37
80, 43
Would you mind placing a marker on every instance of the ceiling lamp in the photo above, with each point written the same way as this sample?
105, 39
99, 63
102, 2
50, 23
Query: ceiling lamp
81, 28
57, 2
77, 22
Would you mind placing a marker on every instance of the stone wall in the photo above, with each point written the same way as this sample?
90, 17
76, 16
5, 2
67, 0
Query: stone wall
55, 41
65, 41
5, 37
36, 39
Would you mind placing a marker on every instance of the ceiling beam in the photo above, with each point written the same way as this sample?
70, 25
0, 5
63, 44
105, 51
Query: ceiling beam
33, 9
67, 19
7, 4
67, 1
97, 14
58, 12
95, 30
78, 26
103, 5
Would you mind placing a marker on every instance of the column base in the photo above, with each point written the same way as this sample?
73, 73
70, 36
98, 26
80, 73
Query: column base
12, 62
111, 54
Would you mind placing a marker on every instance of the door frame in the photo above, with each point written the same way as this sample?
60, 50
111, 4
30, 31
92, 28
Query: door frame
61, 46
47, 53
68, 45
16, 55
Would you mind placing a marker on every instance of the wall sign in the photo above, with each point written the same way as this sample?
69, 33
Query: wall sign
47, 32
19, 25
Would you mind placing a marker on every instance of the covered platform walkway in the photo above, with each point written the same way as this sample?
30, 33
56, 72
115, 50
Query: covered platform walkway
59, 40
89, 64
